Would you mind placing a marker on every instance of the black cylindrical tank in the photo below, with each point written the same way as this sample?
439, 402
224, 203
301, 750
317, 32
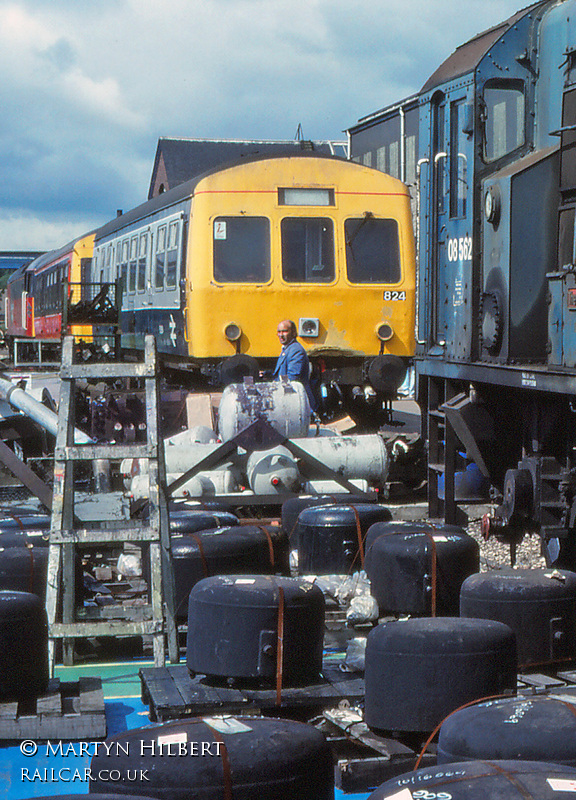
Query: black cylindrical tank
24, 538
212, 758
417, 671
538, 728
226, 551
24, 569
404, 565
291, 509
23, 645
25, 522
193, 520
538, 604
328, 540
234, 624
482, 780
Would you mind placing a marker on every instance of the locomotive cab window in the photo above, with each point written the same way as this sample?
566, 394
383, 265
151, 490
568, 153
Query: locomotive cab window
307, 250
241, 248
372, 250
504, 119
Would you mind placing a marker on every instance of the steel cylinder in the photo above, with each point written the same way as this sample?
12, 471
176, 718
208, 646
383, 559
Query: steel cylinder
24, 569
235, 625
363, 457
482, 780
203, 484
191, 520
273, 471
330, 537
538, 604
243, 757
282, 403
419, 569
419, 670
537, 728
233, 550
23, 645
291, 508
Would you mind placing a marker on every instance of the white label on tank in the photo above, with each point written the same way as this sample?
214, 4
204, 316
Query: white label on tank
220, 229
226, 724
562, 785
405, 794
173, 738
245, 580
439, 538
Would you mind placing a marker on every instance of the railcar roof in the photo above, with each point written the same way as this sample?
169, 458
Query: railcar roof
466, 57
186, 189
51, 255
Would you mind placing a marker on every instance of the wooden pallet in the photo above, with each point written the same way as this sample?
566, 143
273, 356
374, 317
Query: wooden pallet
63, 711
365, 759
171, 693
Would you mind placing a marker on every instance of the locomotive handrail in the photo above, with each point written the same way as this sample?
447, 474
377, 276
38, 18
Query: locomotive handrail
417, 287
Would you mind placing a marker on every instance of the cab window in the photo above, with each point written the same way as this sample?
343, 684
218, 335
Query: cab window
504, 119
307, 249
372, 250
241, 249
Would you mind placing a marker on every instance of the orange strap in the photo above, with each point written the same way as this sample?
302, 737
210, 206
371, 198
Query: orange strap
270, 544
226, 768
280, 646
198, 541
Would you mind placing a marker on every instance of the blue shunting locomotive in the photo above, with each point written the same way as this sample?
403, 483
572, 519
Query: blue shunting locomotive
489, 148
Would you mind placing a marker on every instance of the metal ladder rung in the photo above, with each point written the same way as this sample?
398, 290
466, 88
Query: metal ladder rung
93, 452
104, 536
100, 371
108, 627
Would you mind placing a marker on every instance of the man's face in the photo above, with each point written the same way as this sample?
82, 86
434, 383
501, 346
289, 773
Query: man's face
284, 333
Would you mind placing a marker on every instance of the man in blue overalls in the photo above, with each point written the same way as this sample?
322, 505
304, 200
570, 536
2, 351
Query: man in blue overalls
293, 361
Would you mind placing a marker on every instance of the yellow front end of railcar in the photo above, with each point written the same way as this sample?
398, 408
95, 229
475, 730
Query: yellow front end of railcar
327, 243
81, 256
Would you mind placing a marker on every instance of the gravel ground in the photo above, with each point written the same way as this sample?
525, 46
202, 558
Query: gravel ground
494, 555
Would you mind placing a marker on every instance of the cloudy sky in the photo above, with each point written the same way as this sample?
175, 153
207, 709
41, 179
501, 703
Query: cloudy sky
88, 86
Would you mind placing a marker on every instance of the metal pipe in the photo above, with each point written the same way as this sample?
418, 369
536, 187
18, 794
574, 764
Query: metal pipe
34, 409
48, 420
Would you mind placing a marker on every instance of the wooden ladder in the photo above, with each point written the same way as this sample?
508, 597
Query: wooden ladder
68, 535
